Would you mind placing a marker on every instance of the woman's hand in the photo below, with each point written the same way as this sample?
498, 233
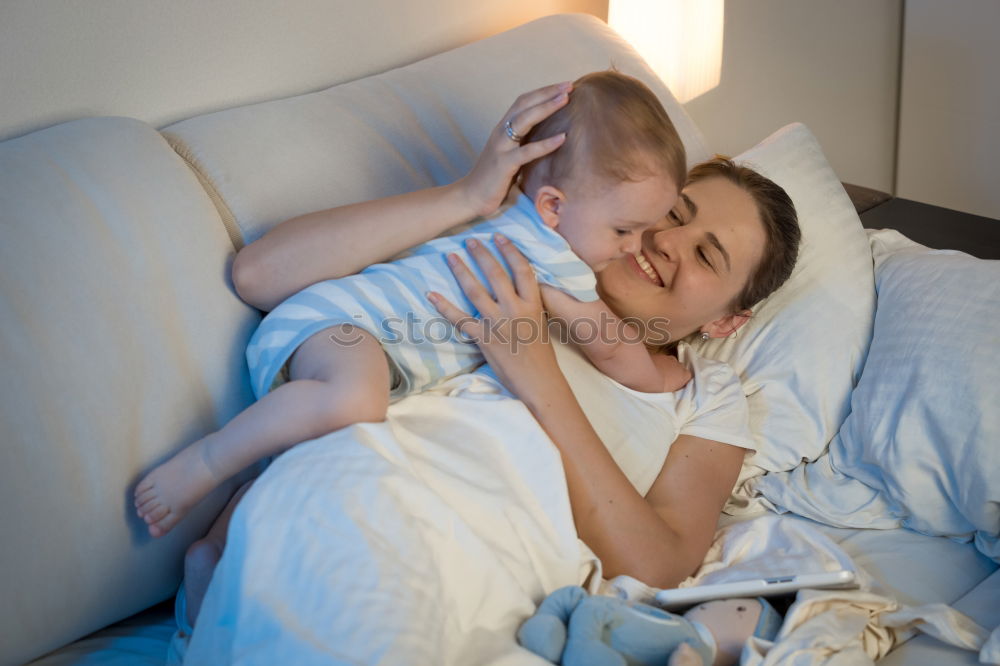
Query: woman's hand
510, 329
487, 184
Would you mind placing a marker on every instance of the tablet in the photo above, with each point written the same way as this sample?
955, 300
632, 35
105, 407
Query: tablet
758, 587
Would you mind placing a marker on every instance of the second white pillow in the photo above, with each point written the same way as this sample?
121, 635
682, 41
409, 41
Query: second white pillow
801, 354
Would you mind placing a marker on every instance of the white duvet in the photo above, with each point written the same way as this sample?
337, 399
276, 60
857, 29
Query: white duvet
425, 539
428, 538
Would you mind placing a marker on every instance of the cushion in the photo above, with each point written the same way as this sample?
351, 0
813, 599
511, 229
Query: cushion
920, 445
121, 342
409, 128
925, 423
801, 353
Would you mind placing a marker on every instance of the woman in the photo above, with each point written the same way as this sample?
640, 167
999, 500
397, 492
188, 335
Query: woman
660, 538
731, 241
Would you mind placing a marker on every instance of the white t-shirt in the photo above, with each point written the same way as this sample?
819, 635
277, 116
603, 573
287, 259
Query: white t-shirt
639, 428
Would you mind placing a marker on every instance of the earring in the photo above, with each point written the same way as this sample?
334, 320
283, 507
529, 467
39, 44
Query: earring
705, 336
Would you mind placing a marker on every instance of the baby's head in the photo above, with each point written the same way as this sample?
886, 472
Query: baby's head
618, 172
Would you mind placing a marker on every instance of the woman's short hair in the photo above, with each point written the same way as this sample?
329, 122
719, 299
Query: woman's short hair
616, 131
781, 227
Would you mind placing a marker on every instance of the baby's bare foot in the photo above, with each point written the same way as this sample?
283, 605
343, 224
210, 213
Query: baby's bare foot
167, 493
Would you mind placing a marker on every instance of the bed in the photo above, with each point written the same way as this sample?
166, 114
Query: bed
428, 538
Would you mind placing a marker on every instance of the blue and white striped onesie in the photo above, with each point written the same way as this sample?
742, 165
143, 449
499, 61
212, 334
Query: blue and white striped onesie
389, 301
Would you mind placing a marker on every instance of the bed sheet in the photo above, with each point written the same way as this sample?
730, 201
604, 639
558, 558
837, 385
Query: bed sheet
981, 605
915, 579
907, 563
141, 640
916, 569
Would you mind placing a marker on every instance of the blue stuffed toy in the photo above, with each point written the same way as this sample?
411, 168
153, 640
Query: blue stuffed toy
573, 628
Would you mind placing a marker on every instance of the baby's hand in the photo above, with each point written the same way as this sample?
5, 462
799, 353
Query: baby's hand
557, 302
675, 374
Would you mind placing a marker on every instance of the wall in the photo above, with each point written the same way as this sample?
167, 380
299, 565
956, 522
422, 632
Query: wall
161, 61
832, 65
949, 132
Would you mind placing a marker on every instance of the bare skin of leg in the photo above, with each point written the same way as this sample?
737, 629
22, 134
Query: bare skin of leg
333, 385
204, 554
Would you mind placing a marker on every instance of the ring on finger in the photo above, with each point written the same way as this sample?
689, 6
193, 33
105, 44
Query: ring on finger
511, 133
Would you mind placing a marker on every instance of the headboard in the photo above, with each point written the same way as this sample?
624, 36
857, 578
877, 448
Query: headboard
161, 62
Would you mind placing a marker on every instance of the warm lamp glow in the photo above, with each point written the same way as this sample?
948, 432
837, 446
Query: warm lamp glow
680, 39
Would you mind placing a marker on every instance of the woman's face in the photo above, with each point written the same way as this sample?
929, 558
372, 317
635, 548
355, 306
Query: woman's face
693, 265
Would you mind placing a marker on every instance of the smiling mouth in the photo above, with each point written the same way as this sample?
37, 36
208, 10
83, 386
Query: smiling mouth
647, 269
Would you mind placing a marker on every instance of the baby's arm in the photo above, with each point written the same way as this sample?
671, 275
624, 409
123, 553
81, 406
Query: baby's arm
341, 241
673, 374
614, 346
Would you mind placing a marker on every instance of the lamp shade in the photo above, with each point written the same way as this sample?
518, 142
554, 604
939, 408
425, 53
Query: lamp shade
680, 39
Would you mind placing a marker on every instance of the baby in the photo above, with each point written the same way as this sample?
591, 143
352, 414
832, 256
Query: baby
339, 351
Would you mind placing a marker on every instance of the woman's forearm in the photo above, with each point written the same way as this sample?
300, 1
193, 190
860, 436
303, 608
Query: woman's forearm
341, 241
617, 523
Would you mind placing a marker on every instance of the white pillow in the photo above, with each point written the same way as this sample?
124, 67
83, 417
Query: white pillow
121, 342
408, 128
801, 353
924, 428
919, 448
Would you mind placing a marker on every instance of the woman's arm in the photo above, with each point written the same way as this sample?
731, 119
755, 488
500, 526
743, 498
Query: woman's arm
660, 539
343, 240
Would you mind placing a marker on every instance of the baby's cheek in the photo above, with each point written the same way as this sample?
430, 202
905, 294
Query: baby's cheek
599, 255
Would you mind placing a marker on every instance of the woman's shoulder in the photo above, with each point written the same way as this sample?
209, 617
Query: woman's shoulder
714, 397
713, 405
709, 375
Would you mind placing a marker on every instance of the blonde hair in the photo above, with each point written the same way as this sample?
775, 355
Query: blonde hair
616, 130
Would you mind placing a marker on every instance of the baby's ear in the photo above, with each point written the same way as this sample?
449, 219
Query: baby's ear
549, 201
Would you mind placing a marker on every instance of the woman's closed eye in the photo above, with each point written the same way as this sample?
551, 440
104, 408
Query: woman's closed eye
703, 256
678, 220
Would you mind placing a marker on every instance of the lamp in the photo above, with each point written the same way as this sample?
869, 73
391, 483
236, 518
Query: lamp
680, 39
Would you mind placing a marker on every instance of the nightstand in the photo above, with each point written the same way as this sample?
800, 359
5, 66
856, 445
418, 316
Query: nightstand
937, 227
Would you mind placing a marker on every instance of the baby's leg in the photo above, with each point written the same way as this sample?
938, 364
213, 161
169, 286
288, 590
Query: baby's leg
204, 554
334, 384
